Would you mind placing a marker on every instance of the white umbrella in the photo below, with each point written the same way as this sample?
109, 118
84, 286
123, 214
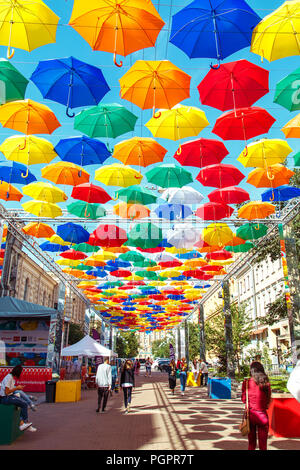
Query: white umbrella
184, 195
183, 237
163, 257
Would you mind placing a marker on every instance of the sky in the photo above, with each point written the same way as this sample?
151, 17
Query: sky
70, 43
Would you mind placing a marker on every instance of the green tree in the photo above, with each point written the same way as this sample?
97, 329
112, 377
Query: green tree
194, 340
76, 333
161, 347
276, 311
127, 344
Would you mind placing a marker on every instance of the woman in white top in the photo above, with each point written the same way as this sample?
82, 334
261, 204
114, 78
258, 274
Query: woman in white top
195, 369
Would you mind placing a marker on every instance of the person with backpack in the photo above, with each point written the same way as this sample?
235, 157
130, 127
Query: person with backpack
127, 382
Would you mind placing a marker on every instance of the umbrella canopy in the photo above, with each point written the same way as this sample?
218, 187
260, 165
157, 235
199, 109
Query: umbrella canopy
184, 195
234, 85
264, 153
42, 209
244, 248
45, 192
131, 211
220, 176
53, 248
86, 248
292, 129
131, 256
27, 25
155, 84
136, 195
213, 29
82, 151
145, 235
30, 150
38, 230
65, 173
220, 255
214, 211
90, 193
119, 26
13, 172
217, 234
169, 176
73, 233
108, 120
89, 211
71, 82
118, 175
173, 211
183, 237
139, 151
9, 192
29, 117
287, 91
73, 254
256, 210
280, 194
201, 152
274, 176
110, 236
267, 39
229, 195
15, 83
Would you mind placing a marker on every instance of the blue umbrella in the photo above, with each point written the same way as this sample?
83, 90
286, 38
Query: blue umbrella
213, 28
13, 172
189, 255
118, 264
53, 247
71, 82
280, 194
165, 244
82, 151
73, 233
173, 211
97, 273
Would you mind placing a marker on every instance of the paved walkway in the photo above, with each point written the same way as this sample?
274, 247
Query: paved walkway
158, 421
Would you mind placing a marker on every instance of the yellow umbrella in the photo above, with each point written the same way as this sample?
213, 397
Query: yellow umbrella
42, 209
155, 84
26, 25
141, 151
256, 210
44, 192
68, 262
292, 129
118, 175
194, 263
178, 123
35, 151
65, 173
57, 240
265, 152
217, 234
278, 34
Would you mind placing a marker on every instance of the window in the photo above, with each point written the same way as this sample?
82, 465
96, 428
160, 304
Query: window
26, 289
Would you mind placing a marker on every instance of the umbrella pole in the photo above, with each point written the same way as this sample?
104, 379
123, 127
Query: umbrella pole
70, 115
115, 48
10, 52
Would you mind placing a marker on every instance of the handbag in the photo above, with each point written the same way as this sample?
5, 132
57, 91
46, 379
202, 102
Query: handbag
245, 424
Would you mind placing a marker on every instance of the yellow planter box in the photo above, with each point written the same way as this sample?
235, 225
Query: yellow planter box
68, 391
191, 380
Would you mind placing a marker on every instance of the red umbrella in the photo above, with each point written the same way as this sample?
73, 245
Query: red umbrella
108, 236
219, 255
136, 283
197, 274
158, 249
170, 264
211, 268
229, 195
121, 273
214, 211
243, 124
201, 152
220, 176
157, 297
73, 254
90, 193
234, 85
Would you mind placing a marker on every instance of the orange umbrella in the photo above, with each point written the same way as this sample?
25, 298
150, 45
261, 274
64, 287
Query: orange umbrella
141, 151
38, 230
256, 210
117, 26
155, 84
29, 117
292, 129
131, 211
274, 176
9, 192
65, 173
236, 241
117, 249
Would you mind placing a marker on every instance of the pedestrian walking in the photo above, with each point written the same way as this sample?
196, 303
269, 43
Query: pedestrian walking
114, 376
204, 373
127, 383
104, 382
172, 376
138, 366
148, 367
8, 396
183, 367
259, 397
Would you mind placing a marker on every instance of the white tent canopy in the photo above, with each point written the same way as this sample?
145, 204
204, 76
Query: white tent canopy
87, 346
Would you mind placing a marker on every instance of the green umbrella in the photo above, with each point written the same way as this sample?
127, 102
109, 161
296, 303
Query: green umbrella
145, 235
13, 83
297, 159
251, 231
169, 176
145, 263
131, 256
89, 211
84, 267
288, 91
86, 248
240, 248
107, 120
136, 195
147, 274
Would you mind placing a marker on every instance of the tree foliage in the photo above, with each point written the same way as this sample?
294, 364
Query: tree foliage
76, 333
276, 311
161, 347
127, 344
194, 340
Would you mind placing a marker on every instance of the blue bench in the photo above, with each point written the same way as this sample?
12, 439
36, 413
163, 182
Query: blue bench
10, 421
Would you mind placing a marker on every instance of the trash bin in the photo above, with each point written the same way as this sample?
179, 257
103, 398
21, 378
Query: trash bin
50, 391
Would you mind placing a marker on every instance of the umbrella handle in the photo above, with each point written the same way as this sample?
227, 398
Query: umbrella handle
270, 177
26, 174
245, 152
156, 116
273, 197
10, 53
23, 146
216, 66
256, 228
115, 61
115, 198
179, 150
85, 213
70, 115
